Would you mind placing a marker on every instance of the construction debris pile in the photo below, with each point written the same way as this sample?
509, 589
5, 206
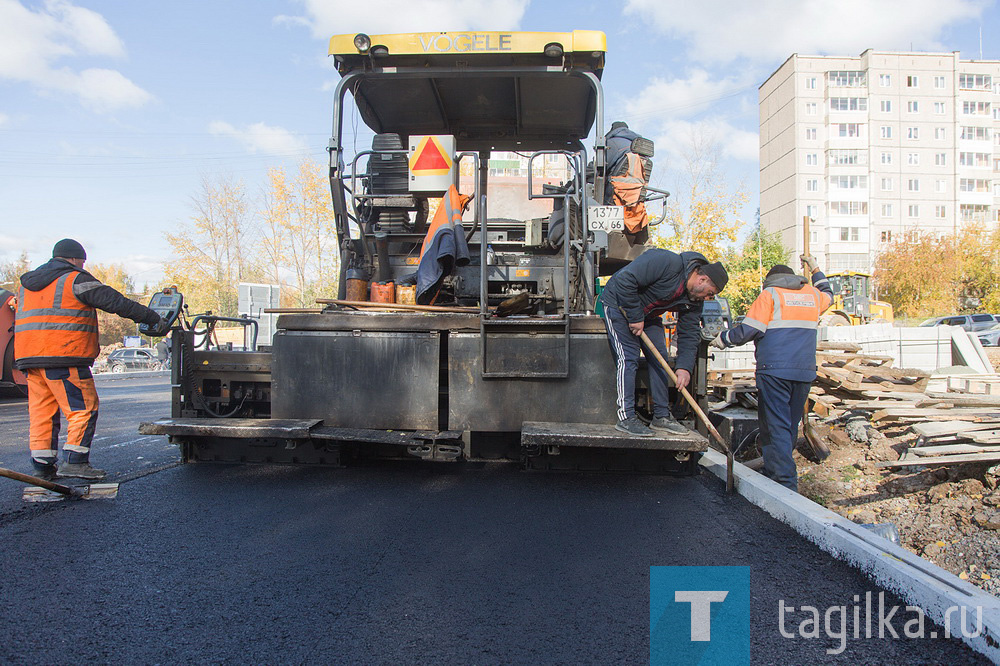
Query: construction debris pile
896, 445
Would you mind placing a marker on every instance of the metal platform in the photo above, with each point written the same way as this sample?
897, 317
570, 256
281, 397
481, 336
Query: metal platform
537, 433
232, 428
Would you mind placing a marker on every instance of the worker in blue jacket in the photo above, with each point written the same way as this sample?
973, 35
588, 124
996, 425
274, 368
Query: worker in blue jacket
782, 322
657, 281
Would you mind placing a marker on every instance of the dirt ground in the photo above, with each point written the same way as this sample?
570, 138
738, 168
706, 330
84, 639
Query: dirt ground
948, 515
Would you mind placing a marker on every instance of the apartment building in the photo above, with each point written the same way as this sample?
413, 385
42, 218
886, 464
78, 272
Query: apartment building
877, 148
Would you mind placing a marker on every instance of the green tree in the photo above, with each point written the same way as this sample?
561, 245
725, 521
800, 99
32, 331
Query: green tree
748, 265
112, 327
920, 277
11, 272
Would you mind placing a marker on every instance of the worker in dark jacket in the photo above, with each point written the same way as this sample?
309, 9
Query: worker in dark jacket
657, 281
55, 343
782, 323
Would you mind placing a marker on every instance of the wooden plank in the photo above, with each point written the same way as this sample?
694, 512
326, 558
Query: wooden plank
948, 449
941, 460
942, 428
845, 346
950, 414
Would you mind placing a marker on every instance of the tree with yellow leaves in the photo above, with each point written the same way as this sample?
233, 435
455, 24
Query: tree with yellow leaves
112, 327
215, 251
702, 213
299, 239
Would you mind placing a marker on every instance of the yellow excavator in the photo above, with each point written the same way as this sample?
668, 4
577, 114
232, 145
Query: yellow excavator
852, 304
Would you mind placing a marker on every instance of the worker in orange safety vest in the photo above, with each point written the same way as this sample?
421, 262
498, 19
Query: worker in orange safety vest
55, 343
783, 323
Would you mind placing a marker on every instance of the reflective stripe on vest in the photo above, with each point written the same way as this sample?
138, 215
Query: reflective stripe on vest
795, 308
628, 190
53, 322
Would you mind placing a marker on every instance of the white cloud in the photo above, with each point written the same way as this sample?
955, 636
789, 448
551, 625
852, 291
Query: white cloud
681, 98
676, 137
32, 44
335, 17
767, 30
261, 138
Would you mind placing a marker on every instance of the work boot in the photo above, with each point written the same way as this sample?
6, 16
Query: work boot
80, 471
44, 472
633, 426
668, 424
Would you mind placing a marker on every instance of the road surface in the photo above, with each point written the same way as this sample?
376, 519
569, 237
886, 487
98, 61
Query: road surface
388, 563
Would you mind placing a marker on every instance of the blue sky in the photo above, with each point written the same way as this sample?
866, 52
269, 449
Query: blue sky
111, 112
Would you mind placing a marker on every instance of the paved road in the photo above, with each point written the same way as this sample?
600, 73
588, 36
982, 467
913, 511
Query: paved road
414, 563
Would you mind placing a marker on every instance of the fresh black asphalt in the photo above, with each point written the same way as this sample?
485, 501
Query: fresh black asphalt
388, 563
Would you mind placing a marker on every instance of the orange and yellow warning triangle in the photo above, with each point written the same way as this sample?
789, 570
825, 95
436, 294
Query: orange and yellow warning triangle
430, 159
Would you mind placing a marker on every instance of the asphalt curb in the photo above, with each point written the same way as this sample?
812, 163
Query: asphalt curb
112, 376
912, 578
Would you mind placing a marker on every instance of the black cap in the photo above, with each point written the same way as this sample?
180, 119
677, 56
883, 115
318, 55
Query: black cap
716, 273
780, 269
69, 249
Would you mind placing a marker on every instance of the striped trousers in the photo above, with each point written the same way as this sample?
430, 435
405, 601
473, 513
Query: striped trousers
71, 391
626, 347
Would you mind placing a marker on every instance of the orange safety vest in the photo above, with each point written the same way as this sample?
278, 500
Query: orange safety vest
53, 324
628, 189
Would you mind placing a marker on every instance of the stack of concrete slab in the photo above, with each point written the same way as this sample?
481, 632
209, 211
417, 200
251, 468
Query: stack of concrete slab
928, 348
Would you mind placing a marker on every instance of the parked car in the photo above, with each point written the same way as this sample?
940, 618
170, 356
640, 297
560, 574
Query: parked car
990, 337
971, 323
136, 358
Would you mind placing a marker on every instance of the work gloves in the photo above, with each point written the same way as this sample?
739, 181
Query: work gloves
717, 342
809, 262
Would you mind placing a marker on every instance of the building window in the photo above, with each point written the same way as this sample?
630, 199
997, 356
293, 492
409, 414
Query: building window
810, 133
886, 210
939, 212
912, 82
973, 185
939, 82
974, 133
913, 185
847, 79
811, 108
940, 159
811, 83
812, 159
913, 159
939, 108
886, 236
849, 129
939, 133
913, 235
885, 80
849, 233
975, 108
940, 186
913, 210
849, 182
848, 207
848, 103
911, 106
974, 159
847, 157
887, 184
812, 185
885, 106
811, 211
885, 131
975, 81
974, 212
886, 158
912, 133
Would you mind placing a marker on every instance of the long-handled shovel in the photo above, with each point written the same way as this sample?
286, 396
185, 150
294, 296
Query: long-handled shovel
730, 481
54, 492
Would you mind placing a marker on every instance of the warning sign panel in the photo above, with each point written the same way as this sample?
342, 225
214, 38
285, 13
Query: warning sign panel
432, 163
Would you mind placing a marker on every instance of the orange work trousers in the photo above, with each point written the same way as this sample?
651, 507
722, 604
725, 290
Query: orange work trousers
72, 391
